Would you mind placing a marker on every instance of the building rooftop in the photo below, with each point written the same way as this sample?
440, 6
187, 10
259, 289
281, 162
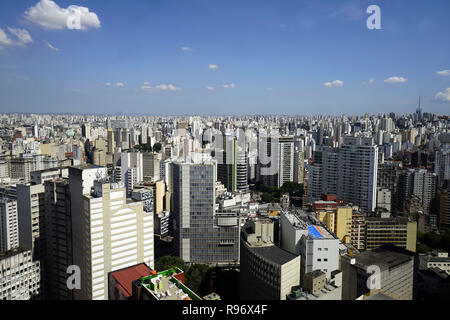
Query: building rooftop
85, 166
274, 253
50, 170
306, 295
126, 276
318, 232
166, 285
212, 296
379, 296
436, 273
12, 252
386, 256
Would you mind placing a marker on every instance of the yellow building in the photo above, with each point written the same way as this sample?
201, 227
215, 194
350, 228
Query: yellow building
339, 221
398, 231
46, 148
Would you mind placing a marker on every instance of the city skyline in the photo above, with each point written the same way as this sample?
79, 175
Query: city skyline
167, 58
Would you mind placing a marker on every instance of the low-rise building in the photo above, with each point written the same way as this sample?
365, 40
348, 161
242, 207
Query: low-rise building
267, 272
389, 269
317, 287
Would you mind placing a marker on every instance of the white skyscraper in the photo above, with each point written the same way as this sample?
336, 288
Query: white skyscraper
117, 234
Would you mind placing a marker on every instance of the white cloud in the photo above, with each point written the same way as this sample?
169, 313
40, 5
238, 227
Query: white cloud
22, 37
335, 83
119, 84
108, 84
4, 39
349, 13
443, 73
187, 49
51, 47
160, 87
443, 95
232, 85
213, 67
395, 80
371, 81
50, 16
165, 87
210, 88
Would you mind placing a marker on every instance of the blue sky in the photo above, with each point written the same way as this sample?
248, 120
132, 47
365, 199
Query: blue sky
272, 57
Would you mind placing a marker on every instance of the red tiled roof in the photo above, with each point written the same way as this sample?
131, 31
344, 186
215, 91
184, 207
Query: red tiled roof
125, 277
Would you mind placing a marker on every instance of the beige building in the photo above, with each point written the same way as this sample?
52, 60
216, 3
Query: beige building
267, 272
99, 156
387, 269
316, 286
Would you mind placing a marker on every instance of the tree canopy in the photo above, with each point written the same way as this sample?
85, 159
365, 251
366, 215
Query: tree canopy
195, 275
432, 240
273, 194
157, 147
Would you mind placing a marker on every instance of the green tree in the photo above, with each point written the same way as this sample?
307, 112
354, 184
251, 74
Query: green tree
267, 197
196, 277
168, 262
157, 147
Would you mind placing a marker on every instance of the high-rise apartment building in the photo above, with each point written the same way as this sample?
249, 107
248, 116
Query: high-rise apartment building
358, 166
388, 178
59, 248
128, 168
32, 224
444, 206
9, 228
86, 130
424, 187
151, 166
299, 165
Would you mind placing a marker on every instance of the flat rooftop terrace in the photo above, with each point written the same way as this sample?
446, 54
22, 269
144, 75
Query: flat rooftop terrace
165, 286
